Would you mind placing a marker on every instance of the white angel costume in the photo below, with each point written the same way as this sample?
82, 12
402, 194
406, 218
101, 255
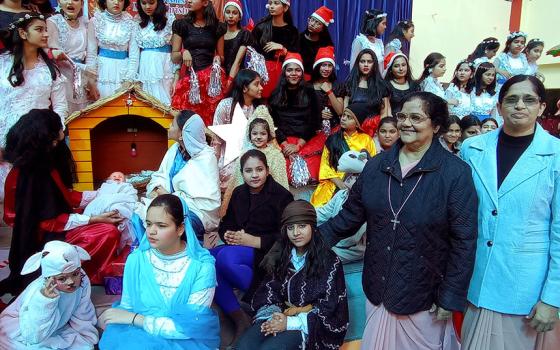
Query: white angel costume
112, 50
67, 321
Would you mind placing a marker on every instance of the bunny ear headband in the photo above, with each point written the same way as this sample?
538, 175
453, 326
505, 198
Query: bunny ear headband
57, 257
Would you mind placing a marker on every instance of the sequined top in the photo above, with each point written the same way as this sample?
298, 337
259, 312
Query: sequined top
484, 105
464, 107
512, 65
147, 37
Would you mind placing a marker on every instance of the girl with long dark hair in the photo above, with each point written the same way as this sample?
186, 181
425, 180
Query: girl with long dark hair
484, 97
458, 93
155, 71
274, 36
365, 85
434, 68
112, 50
350, 136
451, 138
195, 39
533, 52
303, 302
373, 25
399, 77
323, 78
315, 36
400, 37
68, 39
235, 40
512, 61
244, 97
484, 51
40, 202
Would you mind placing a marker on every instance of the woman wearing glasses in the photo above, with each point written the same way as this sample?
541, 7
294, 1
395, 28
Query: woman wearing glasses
514, 294
419, 203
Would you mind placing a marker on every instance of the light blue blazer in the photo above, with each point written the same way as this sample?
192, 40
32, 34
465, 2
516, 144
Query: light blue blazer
518, 248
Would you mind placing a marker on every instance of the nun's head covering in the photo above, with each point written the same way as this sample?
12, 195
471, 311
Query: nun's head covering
194, 136
57, 257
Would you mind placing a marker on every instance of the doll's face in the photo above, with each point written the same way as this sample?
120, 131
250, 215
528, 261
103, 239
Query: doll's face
299, 234
115, 7
259, 135
35, 34
68, 282
118, 177
71, 8
232, 15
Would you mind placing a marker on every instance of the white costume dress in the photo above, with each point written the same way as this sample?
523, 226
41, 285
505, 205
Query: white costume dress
484, 105
73, 41
34, 321
112, 50
362, 42
431, 84
464, 107
156, 69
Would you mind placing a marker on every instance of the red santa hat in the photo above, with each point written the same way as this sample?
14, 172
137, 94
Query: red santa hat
236, 4
293, 57
389, 59
324, 15
325, 54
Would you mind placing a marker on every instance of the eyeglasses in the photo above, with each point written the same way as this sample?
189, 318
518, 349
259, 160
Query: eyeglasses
415, 118
528, 101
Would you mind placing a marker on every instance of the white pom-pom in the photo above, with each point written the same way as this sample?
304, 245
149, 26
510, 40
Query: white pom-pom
267, 6
332, 21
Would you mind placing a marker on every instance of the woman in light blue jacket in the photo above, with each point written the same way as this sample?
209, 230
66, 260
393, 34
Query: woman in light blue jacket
514, 293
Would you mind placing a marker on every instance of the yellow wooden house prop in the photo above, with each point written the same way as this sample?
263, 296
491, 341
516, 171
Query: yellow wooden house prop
131, 101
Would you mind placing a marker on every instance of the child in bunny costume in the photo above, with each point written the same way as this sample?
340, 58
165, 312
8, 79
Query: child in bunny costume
55, 311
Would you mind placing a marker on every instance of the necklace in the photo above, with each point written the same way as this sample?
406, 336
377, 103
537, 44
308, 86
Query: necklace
395, 220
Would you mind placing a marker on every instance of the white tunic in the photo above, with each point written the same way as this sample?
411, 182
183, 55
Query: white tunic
38, 91
73, 41
156, 69
117, 34
34, 321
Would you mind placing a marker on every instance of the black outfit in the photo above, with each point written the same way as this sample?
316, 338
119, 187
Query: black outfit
323, 101
509, 149
397, 96
296, 119
200, 41
231, 47
327, 323
429, 257
361, 95
258, 214
308, 50
287, 35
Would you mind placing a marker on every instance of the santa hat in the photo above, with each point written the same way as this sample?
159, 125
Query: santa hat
389, 59
293, 57
57, 257
236, 4
324, 15
325, 54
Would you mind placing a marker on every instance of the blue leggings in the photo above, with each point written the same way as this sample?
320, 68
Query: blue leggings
234, 269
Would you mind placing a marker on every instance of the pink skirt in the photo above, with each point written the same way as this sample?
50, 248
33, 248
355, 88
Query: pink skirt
484, 329
420, 331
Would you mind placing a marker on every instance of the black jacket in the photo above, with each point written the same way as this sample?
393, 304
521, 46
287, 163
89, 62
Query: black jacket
429, 258
257, 214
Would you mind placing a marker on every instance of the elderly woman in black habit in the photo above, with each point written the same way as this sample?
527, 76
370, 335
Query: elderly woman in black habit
420, 206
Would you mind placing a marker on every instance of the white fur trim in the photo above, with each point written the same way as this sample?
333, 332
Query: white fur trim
234, 4
292, 60
321, 60
321, 19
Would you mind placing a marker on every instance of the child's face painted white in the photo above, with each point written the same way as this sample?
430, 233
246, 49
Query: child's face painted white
162, 232
254, 89
232, 15
36, 34
115, 7
68, 282
300, 235
259, 136
255, 173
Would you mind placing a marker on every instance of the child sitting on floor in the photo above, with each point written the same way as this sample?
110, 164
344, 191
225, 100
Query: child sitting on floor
55, 311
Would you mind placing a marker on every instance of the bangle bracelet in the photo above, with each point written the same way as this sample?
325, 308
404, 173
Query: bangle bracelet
329, 92
134, 319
